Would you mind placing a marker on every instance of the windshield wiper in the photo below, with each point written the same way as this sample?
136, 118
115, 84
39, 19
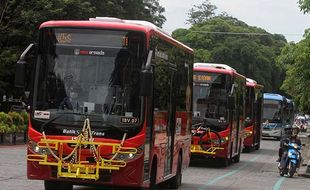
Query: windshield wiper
59, 116
110, 125
104, 124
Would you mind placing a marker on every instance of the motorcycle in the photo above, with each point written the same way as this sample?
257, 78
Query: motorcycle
292, 160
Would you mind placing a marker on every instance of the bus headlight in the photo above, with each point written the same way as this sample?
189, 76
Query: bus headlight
247, 133
130, 156
37, 149
224, 140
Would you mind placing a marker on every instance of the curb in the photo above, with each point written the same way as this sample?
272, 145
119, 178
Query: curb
307, 175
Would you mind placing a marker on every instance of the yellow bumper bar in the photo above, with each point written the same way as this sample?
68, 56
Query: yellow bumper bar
211, 150
79, 168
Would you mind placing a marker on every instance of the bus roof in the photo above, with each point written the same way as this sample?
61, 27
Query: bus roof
253, 83
217, 68
272, 96
120, 24
290, 101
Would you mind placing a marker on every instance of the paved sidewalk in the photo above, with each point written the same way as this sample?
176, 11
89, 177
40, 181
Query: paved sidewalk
304, 170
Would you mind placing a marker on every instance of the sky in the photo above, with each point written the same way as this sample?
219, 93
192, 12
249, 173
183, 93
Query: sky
275, 16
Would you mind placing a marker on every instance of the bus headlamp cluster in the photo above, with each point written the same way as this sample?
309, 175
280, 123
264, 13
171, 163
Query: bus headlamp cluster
130, 156
215, 142
247, 133
224, 140
37, 149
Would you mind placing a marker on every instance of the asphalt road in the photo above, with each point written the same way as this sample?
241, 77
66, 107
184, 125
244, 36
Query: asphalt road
256, 170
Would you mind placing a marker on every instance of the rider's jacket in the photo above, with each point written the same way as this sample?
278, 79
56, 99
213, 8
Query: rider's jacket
291, 139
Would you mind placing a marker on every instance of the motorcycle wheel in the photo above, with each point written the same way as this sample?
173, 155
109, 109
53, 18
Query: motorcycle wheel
281, 171
292, 170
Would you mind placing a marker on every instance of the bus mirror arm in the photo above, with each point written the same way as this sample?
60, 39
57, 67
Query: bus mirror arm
148, 61
146, 77
20, 67
231, 99
232, 89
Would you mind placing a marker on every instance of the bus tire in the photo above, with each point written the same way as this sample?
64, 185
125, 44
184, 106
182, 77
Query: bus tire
257, 146
52, 185
153, 185
226, 162
176, 181
236, 158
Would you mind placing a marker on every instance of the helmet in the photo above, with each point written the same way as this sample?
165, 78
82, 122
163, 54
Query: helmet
288, 129
295, 131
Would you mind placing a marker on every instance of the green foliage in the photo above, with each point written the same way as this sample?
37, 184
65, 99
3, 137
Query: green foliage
16, 118
24, 114
5, 122
304, 5
12, 122
295, 58
20, 19
148, 10
201, 13
227, 40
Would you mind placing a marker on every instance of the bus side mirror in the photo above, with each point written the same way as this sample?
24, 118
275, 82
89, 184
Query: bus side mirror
146, 77
146, 87
231, 103
20, 73
20, 68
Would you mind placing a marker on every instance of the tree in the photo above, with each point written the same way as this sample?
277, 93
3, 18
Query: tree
20, 19
19, 24
250, 50
3, 6
148, 10
295, 59
304, 5
201, 13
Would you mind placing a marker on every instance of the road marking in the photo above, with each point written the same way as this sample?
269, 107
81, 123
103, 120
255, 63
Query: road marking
227, 174
277, 186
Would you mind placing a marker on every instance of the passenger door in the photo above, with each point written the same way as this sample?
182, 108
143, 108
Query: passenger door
165, 105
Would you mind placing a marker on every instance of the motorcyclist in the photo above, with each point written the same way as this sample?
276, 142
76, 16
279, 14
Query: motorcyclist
290, 137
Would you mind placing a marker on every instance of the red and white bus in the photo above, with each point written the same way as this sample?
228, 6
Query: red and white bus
253, 115
218, 112
110, 105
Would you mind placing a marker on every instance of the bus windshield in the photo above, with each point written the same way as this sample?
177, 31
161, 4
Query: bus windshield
210, 95
89, 70
272, 111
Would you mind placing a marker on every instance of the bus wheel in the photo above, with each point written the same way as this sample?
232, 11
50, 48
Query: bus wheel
176, 181
226, 162
153, 185
236, 158
257, 147
52, 185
